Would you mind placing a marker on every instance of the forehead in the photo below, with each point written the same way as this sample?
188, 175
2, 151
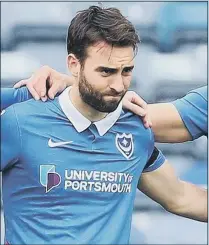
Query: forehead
103, 54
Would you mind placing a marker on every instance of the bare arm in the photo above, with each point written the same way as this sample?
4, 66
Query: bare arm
167, 124
164, 118
176, 196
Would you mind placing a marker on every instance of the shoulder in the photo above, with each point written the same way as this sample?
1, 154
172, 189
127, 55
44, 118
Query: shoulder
200, 93
32, 111
129, 117
129, 121
32, 107
195, 99
9, 124
17, 116
193, 111
8, 114
28, 108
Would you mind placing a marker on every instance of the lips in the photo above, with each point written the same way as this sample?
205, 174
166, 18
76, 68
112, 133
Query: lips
114, 95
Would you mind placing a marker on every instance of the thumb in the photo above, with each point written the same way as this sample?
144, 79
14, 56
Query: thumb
20, 83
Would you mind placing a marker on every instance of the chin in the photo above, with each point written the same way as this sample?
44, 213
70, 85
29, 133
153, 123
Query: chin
109, 107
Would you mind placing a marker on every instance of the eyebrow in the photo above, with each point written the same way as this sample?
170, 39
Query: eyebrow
128, 67
100, 68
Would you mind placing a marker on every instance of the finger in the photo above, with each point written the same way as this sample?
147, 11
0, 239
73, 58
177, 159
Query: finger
44, 98
33, 92
20, 83
136, 99
140, 112
134, 108
149, 122
146, 121
40, 87
55, 88
146, 125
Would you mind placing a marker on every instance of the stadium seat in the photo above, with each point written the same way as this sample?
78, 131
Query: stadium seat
33, 22
16, 66
181, 22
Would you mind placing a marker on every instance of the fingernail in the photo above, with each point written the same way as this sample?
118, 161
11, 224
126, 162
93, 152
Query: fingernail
44, 99
36, 98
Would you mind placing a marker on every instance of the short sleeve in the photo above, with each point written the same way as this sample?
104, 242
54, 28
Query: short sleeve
10, 96
193, 111
10, 138
155, 161
155, 156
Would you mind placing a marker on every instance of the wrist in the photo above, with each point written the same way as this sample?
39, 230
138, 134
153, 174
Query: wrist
68, 80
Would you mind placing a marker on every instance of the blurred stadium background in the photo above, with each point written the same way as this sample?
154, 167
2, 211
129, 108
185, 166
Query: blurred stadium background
172, 59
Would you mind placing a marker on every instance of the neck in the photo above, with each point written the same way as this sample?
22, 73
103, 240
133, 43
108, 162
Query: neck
85, 109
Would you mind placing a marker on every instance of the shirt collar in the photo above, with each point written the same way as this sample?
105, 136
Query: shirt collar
80, 122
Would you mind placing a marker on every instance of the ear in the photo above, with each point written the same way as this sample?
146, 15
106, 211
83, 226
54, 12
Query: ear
73, 65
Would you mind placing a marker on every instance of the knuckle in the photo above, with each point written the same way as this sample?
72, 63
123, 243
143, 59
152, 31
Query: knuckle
133, 93
36, 85
29, 85
144, 105
45, 67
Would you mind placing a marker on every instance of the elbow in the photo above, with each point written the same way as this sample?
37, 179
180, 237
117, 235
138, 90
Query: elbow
189, 201
188, 210
179, 204
175, 207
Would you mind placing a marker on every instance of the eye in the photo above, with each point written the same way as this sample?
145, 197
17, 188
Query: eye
107, 71
127, 70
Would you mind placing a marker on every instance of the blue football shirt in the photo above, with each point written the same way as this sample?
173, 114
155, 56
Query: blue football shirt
193, 109
10, 96
67, 180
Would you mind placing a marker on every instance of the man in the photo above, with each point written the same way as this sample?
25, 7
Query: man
71, 166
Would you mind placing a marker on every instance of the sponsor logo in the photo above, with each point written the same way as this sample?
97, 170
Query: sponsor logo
48, 177
84, 180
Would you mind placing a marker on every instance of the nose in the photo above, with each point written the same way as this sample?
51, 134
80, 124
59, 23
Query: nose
118, 84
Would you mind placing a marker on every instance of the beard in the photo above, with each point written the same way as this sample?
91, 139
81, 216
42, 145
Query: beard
95, 99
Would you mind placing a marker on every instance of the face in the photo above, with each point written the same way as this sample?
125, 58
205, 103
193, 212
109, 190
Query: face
105, 76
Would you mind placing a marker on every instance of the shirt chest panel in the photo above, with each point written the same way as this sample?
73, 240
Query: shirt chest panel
115, 151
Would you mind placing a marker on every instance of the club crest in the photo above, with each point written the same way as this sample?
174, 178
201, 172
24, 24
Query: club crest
124, 143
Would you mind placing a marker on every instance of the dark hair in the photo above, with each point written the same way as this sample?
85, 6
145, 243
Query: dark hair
99, 24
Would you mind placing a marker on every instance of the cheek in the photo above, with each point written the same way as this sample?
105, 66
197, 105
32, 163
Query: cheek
89, 77
127, 81
97, 81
